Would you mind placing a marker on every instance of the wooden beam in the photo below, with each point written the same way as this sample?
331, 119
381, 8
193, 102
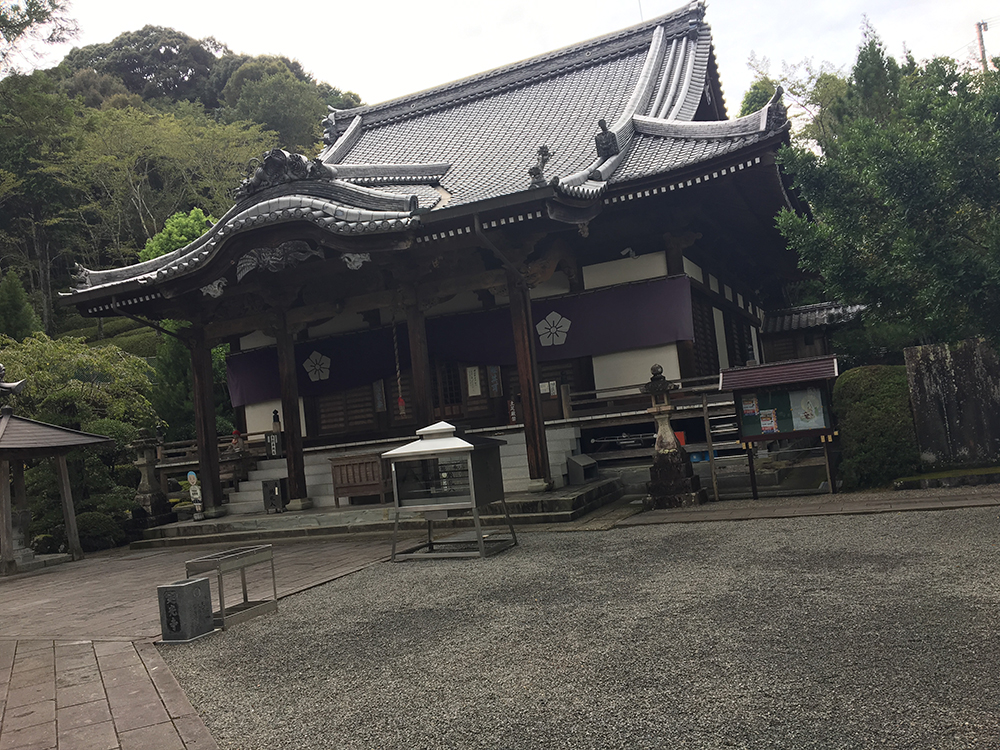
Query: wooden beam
204, 420
291, 422
8, 565
527, 373
297, 316
69, 512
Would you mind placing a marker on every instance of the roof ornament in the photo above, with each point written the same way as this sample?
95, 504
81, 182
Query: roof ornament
286, 255
9, 389
81, 275
330, 125
607, 142
777, 115
537, 172
354, 261
277, 167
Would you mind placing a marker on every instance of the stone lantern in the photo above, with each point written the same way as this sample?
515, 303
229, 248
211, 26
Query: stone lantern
673, 483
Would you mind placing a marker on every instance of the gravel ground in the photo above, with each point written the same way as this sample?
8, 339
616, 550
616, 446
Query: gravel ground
830, 632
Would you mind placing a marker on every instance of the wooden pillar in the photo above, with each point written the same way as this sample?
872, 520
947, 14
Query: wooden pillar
527, 373
69, 512
291, 422
204, 422
420, 366
17, 486
8, 566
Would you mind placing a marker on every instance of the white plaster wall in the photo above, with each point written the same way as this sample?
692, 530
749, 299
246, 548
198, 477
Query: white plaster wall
256, 340
464, 302
557, 284
343, 323
260, 416
720, 338
629, 368
693, 270
641, 267
757, 353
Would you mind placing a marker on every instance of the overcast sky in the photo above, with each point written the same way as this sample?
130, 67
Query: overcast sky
384, 49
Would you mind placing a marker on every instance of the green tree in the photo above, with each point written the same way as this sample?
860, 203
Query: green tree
43, 20
179, 230
173, 394
17, 318
758, 95
101, 390
75, 385
904, 196
136, 169
276, 92
152, 62
814, 95
38, 222
172, 397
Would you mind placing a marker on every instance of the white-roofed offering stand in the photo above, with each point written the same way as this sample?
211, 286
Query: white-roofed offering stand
441, 474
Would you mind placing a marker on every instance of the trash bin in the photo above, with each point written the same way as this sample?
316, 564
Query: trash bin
185, 609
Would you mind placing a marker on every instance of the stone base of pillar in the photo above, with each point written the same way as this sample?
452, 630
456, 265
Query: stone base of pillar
216, 512
299, 503
673, 483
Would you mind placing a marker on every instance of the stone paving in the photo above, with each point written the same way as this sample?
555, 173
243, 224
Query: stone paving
78, 669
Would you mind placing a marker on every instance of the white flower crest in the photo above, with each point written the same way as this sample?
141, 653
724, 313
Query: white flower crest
317, 366
552, 331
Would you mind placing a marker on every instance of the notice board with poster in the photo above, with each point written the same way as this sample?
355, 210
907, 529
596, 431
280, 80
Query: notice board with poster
783, 412
782, 400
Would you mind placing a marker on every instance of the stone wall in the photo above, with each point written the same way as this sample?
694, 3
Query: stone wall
955, 394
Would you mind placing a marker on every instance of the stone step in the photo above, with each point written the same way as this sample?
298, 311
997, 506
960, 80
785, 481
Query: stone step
551, 507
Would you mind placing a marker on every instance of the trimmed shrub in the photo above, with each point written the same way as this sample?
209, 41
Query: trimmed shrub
99, 531
141, 343
879, 441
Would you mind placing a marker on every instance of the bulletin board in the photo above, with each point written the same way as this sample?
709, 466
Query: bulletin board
778, 413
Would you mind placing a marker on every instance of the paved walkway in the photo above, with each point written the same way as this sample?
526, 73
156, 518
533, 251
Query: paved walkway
78, 669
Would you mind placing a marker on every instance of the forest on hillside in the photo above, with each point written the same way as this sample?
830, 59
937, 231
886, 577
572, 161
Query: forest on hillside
97, 153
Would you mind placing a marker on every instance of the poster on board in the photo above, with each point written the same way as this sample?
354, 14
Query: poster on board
807, 409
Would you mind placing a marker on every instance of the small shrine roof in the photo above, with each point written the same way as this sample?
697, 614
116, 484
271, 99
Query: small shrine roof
20, 435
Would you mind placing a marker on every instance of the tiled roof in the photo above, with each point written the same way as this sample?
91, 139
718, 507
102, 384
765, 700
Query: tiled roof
809, 316
779, 373
474, 140
491, 142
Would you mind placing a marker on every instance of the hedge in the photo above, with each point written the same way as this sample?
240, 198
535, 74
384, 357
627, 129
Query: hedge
879, 441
